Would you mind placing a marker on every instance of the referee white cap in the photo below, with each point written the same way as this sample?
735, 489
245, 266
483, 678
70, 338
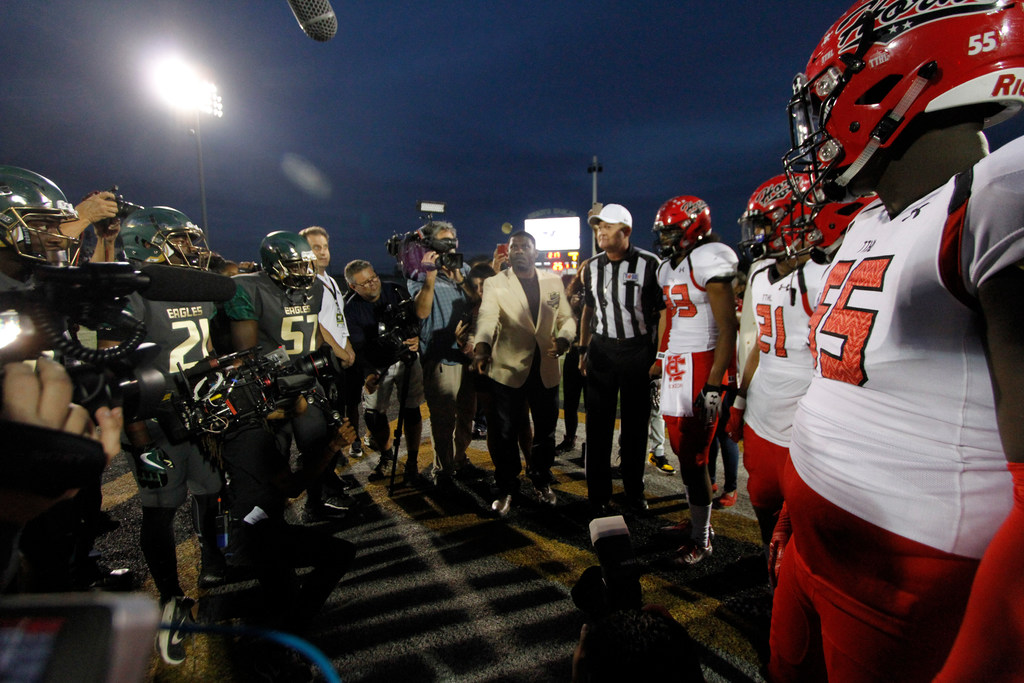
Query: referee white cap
613, 213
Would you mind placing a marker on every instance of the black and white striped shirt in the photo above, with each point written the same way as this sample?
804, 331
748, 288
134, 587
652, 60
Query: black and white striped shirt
624, 295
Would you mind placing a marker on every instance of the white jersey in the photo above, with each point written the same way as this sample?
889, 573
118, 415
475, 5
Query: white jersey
691, 323
898, 426
782, 311
332, 311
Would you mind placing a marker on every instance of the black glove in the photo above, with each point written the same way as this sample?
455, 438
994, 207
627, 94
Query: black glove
709, 403
151, 466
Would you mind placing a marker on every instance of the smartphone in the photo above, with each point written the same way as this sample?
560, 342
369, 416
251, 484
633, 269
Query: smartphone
503, 248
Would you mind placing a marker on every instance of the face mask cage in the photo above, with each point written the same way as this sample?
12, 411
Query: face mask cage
298, 274
668, 239
34, 234
814, 153
188, 246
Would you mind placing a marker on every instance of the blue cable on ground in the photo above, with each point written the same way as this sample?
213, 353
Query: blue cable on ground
310, 651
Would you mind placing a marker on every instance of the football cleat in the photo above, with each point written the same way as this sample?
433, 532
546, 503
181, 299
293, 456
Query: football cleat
660, 463
690, 553
171, 638
727, 499
502, 506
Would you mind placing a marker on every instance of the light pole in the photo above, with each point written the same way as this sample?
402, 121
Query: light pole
593, 170
178, 84
211, 105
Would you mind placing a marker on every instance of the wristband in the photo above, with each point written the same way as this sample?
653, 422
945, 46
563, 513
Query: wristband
660, 355
739, 403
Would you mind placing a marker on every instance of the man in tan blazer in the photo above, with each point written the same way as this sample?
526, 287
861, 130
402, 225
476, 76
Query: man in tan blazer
524, 325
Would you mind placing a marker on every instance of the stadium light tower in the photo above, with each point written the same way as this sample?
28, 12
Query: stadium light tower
593, 170
179, 85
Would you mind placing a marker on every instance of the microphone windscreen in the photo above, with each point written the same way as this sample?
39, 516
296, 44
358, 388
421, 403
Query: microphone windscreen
316, 18
177, 283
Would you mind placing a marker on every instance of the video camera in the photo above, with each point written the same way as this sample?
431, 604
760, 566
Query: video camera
410, 248
42, 314
615, 583
396, 323
218, 393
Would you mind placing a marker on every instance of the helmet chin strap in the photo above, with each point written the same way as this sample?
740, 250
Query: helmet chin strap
889, 123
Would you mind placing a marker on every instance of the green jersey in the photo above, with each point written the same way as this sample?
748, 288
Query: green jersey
287, 318
180, 330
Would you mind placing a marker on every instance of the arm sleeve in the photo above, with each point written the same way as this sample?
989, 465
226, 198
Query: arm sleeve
241, 306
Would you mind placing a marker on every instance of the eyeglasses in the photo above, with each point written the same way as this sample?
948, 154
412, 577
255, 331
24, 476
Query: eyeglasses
372, 281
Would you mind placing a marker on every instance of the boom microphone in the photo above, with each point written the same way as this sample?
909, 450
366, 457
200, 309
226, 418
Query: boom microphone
100, 281
316, 18
174, 283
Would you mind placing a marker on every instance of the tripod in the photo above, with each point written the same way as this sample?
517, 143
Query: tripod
407, 359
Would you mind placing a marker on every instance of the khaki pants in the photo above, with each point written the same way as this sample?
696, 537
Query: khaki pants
451, 400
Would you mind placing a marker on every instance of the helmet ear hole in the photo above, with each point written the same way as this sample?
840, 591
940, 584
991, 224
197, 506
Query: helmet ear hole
876, 93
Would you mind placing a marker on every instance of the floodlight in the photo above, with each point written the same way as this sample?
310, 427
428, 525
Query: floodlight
431, 207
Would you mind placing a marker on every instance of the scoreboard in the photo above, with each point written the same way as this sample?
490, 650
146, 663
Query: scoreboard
558, 242
560, 261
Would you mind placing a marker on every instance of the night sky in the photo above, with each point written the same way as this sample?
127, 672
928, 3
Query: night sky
494, 108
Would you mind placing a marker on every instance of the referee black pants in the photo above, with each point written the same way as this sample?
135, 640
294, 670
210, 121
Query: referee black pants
617, 369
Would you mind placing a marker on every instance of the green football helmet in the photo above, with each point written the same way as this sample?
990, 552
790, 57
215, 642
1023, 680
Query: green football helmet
31, 211
161, 234
288, 260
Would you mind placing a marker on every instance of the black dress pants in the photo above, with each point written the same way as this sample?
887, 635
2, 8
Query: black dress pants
617, 369
508, 410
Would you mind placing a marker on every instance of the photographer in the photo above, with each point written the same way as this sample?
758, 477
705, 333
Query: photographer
165, 471
34, 213
444, 300
278, 307
40, 400
386, 338
98, 226
262, 481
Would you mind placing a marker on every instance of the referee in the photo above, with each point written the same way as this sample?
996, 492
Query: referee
622, 302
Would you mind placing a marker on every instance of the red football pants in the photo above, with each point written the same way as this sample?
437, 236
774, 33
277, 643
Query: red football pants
689, 437
858, 603
765, 462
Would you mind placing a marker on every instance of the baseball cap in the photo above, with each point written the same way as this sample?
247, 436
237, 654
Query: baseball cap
613, 213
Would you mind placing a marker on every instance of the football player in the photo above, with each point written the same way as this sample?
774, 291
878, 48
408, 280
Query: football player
698, 343
277, 307
907, 522
166, 471
778, 368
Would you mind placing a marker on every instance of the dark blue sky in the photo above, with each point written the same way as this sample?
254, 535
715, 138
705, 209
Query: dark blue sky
495, 108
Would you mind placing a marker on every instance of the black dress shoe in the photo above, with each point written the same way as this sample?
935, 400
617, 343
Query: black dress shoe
211, 576
637, 504
601, 510
568, 444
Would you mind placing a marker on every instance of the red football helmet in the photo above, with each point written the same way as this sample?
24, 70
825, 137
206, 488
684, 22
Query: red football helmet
771, 208
820, 233
886, 62
681, 222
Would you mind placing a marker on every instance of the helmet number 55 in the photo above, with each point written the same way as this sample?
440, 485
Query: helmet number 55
982, 42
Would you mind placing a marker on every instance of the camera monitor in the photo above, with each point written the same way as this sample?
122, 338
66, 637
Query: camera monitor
87, 637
